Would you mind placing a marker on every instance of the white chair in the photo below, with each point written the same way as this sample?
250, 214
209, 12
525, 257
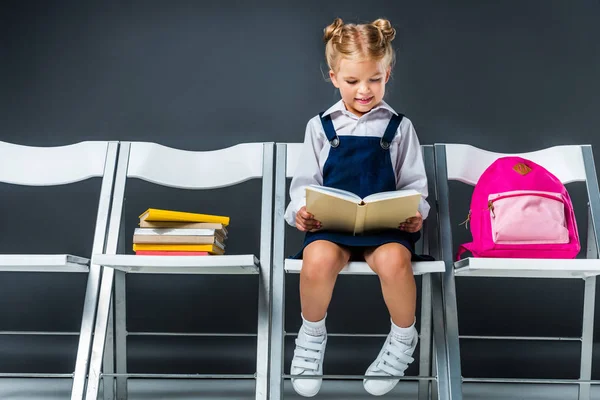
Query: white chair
465, 163
180, 169
287, 157
54, 166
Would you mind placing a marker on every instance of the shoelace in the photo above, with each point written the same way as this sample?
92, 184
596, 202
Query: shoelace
307, 355
394, 361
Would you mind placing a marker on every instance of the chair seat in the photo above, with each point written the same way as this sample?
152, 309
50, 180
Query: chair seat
527, 267
226, 264
361, 268
43, 263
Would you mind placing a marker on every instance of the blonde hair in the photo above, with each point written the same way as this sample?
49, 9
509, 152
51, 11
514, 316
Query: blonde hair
358, 42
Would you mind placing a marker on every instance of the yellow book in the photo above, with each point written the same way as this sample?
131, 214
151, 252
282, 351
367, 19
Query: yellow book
340, 210
211, 248
154, 214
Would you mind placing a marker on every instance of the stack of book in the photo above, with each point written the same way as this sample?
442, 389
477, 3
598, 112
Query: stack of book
178, 233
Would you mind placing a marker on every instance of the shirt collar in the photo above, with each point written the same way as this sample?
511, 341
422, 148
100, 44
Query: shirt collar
386, 106
340, 107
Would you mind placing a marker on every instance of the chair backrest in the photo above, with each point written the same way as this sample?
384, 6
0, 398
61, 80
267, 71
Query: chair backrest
185, 169
197, 169
61, 165
466, 163
48, 166
292, 157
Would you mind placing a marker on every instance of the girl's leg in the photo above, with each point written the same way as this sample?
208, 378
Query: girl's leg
392, 263
322, 262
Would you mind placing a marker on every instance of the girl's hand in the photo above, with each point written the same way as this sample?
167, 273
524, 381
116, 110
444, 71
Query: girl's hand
306, 222
413, 224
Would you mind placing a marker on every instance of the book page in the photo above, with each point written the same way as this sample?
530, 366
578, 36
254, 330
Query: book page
389, 213
389, 195
334, 192
334, 213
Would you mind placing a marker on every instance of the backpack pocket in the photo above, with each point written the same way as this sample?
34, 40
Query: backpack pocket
528, 217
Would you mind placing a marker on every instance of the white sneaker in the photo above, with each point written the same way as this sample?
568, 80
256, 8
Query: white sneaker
393, 359
308, 360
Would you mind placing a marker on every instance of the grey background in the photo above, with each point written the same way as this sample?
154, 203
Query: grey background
506, 76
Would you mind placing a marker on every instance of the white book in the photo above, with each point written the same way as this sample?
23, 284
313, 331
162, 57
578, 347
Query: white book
176, 232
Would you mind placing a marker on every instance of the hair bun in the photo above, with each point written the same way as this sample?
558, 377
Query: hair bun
386, 29
333, 30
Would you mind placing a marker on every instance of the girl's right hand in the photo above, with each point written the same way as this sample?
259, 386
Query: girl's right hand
306, 221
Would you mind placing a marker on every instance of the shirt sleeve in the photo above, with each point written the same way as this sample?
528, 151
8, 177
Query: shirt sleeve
308, 170
410, 166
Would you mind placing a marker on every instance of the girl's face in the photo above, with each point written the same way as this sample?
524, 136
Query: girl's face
361, 84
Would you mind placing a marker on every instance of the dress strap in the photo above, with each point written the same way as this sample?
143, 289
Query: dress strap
332, 136
390, 131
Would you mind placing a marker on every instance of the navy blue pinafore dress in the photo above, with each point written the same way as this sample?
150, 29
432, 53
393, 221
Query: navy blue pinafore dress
361, 165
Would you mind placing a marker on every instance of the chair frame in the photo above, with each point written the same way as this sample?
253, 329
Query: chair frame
583, 269
54, 166
240, 163
431, 298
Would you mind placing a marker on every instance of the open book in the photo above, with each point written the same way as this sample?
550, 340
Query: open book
340, 210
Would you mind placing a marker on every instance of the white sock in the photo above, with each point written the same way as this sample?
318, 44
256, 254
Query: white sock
404, 335
314, 328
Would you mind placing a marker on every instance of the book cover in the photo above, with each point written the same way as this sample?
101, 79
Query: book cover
210, 248
154, 214
340, 210
170, 253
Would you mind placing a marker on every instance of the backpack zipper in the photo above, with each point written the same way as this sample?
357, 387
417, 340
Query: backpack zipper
507, 195
466, 221
490, 207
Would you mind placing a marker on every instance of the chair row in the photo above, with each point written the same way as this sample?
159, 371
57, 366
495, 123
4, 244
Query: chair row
102, 348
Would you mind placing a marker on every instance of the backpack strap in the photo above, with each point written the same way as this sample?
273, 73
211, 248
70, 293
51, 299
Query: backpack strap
464, 248
330, 132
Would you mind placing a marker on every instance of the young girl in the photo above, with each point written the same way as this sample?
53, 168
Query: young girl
362, 145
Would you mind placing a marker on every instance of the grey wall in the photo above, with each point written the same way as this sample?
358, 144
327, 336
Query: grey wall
506, 76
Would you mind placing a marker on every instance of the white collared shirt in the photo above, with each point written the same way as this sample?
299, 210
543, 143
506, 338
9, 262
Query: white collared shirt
405, 153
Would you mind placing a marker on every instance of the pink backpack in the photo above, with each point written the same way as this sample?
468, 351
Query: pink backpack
520, 210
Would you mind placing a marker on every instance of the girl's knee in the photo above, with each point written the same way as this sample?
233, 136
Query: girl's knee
322, 260
392, 262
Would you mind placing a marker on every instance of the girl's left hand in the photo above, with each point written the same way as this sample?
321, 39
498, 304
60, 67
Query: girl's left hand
413, 224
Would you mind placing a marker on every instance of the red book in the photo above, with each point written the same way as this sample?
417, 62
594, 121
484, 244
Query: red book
170, 253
